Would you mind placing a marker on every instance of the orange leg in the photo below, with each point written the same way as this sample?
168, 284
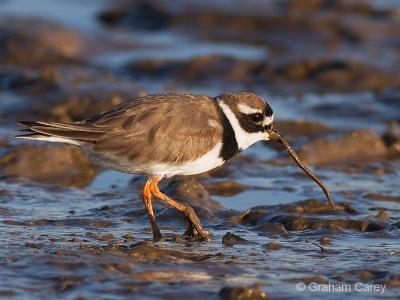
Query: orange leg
191, 219
149, 207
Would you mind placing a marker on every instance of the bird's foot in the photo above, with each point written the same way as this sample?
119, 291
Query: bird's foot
158, 236
192, 223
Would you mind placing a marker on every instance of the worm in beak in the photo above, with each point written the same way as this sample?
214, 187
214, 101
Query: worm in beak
278, 137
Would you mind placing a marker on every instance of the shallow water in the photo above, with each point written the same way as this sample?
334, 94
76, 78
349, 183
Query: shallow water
72, 231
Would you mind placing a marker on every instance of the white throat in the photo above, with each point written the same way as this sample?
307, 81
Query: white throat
243, 138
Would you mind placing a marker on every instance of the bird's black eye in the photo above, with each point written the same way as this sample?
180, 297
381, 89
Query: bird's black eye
257, 117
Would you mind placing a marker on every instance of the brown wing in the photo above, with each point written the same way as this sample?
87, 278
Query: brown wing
166, 128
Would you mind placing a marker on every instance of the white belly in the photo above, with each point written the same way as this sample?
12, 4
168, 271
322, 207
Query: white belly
119, 163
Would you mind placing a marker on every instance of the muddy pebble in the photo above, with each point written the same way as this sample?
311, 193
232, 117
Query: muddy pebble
273, 246
241, 218
189, 191
32, 82
394, 151
236, 293
129, 236
380, 197
138, 15
295, 223
392, 133
268, 228
176, 239
67, 265
37, 43
325, 240
302, 127
126, 267
339, 75
110, 269
49, 164
145, 249
382, 215
358, 274
225, 188
34, 245
361, 145
391, 137
80, 104
231, 239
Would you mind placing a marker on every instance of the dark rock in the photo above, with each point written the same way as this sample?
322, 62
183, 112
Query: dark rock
191, 192
137, 15
273, 246
231, 239
225, 188
49, 164
145, 249
236, 293
36, 43
360, 146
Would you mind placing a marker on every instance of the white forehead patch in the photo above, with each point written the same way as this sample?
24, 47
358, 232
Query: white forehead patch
243, 108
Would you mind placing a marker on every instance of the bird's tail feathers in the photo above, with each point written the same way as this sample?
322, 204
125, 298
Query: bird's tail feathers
69, 133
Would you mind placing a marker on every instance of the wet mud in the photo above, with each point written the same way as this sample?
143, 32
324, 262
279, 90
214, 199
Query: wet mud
329, 69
